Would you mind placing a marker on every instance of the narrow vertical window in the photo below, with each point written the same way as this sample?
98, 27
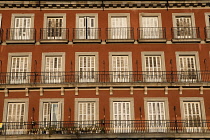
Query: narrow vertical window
120, 68
53, 69
87, 68
19, 69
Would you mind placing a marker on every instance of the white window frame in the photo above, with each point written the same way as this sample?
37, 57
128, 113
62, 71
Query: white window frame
77, 54
43, 100
0, 20
151, 33
81, 32
174, 15
207, 17
150, 15
22, 130
114, 33
155, 53
164, 127
54, 15
85, 15
202, 107
22, 15
130, 67
78, 100
188, 53
16, 15
126, 127
23, 54
54, 54
110, 15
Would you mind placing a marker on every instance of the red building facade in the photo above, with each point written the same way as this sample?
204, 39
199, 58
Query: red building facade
114, 67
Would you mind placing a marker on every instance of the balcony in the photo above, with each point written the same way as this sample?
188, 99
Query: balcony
120, 35
207, 33
54, 35
151, 35
186, 35
20, 35
86, 35
104, 77
104, 128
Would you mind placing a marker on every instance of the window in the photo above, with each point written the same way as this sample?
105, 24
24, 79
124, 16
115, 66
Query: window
120, 66
51, 112
87, 66
87, 26
86, 111
150, 26
53, 67
193, 113
0, 19
188, 67
121, 114
15, 113
153, 65
207, 18
184, 26
156, 110
19, 66
22, 27
119, 26
54, 26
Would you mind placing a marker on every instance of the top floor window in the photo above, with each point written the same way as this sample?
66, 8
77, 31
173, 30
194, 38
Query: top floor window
21, 28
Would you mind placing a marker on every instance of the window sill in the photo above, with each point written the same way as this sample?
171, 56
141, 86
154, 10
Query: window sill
152, 40
20, 41
187, 40
86, 40
120, 41
54, 41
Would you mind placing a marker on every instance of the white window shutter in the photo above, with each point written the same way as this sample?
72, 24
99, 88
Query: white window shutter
16, 112
156, 111
87, 111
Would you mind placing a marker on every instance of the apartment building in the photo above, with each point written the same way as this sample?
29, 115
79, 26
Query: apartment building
105, 69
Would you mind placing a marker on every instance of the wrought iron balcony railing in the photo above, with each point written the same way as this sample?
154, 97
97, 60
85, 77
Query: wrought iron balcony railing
106, 126
104, 77
185, 33
20, 34
151, 33
54, 33
120, 33
86, 33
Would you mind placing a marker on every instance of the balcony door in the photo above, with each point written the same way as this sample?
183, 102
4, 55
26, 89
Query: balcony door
87, 113
53, 69
187, 66
122, 117
19, 69
119, 28
54, 28
156, 116
192, 116
120, 69
87, 28
21, 29
51, 114
15, 118
87, 68
184, 27
150, 27
153, 69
